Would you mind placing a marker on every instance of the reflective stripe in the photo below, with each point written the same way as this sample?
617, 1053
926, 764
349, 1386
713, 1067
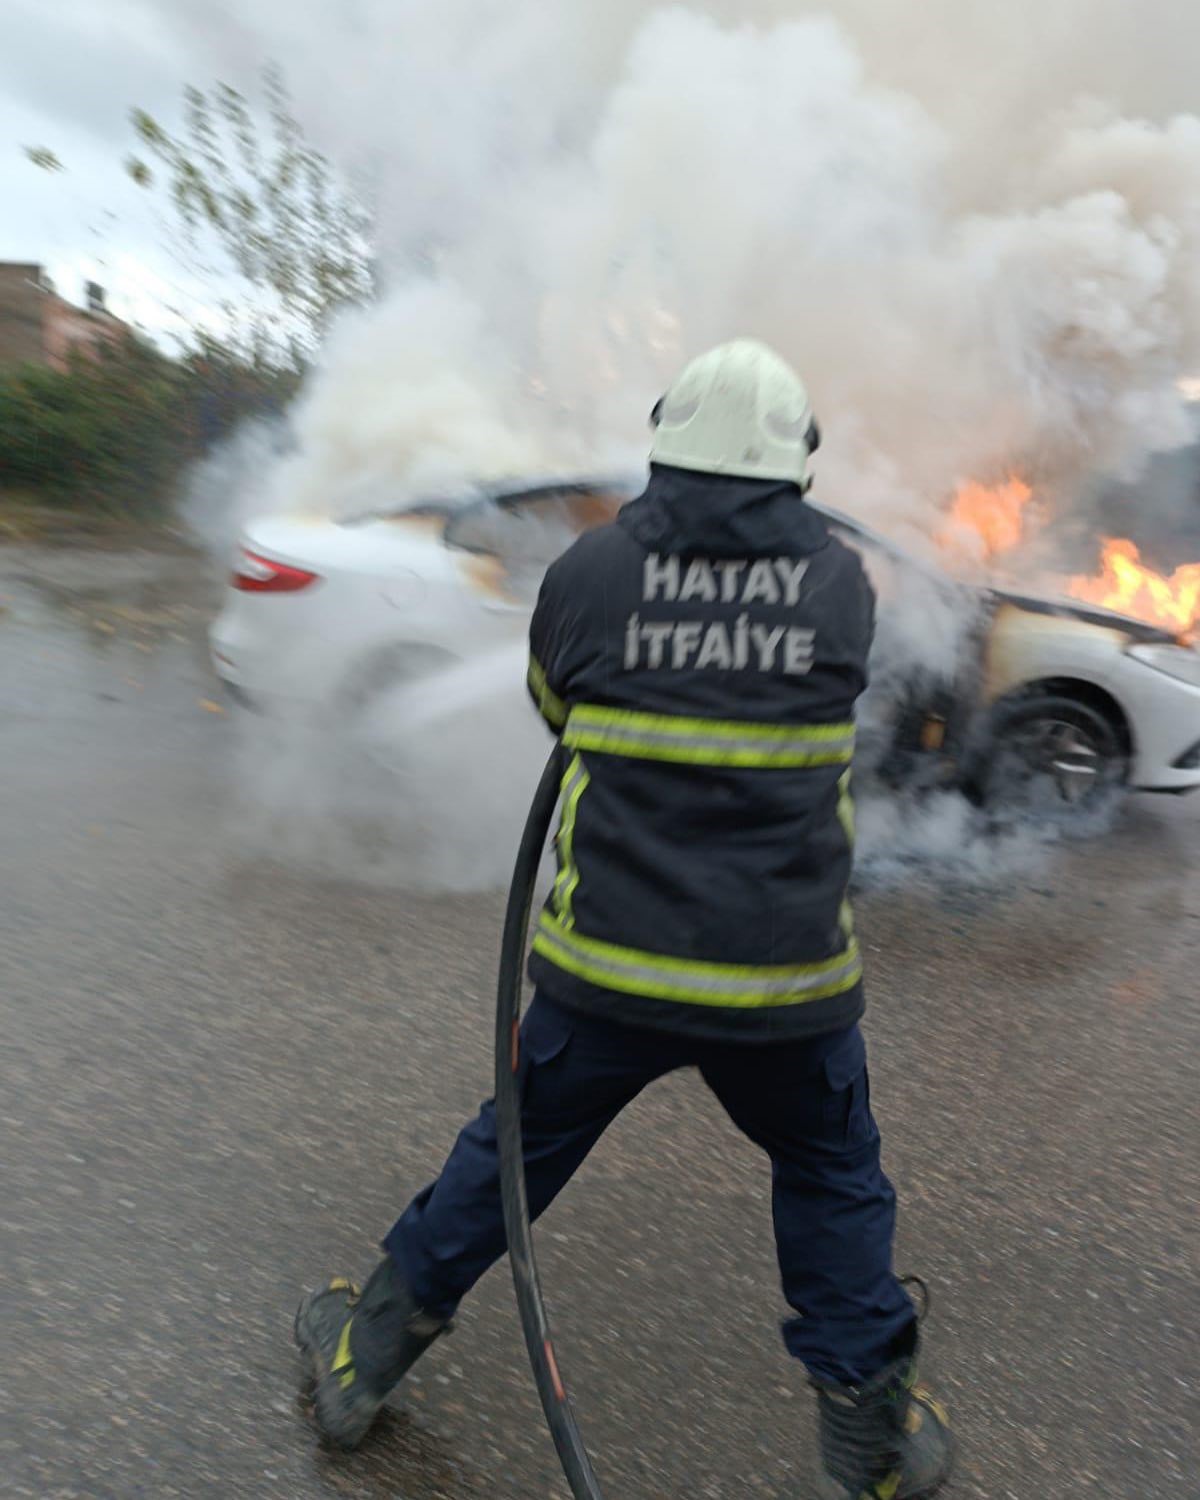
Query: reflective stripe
550, 705
658, 977
845, 812
343, 1364
574, 784
707, 742
845, 808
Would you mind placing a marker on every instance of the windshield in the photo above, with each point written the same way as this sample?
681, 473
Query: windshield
528, 531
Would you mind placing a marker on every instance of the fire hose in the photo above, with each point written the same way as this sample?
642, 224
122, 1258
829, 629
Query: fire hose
556, 1403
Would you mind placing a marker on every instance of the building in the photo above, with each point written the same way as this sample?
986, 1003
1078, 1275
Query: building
37, 326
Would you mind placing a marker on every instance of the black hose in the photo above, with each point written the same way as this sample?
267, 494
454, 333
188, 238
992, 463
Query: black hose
555, 1402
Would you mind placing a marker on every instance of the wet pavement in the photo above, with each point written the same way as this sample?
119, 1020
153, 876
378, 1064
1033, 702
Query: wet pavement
221, 1076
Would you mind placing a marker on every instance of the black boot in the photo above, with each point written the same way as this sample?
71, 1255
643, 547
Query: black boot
885, 1440
360, 1347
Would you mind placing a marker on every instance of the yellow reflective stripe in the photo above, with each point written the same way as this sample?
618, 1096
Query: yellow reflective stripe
551, 706
845, 808
925, 1397
707, 742
845, 812
343, 1361
657, 976
574, 784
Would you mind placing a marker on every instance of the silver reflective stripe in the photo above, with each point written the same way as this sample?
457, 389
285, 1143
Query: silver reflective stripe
699, 983
550, 705
798, 749
574, 783
727, 742
575, 774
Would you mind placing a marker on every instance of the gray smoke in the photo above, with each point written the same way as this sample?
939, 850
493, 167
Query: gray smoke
975, 230
976, 233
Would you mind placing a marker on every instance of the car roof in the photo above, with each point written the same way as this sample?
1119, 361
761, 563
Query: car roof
509, 494
632, 485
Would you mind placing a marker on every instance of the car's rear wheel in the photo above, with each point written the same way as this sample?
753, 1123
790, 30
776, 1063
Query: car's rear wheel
1050, 757
385, 670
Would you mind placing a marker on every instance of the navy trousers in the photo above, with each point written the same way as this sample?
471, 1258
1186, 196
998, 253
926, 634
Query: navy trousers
805, 1103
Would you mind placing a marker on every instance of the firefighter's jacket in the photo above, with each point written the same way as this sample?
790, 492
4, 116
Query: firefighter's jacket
701, 658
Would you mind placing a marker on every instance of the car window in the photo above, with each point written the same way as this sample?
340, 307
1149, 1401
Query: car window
530, 530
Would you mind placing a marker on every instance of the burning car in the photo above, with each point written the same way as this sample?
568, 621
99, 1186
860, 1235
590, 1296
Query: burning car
1050, 705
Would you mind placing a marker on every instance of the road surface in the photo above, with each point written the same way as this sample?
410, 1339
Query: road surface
222, 1074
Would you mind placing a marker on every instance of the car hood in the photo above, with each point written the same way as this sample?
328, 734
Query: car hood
1089, 614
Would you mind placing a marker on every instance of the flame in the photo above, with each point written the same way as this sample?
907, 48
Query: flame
1126, 585
992, 514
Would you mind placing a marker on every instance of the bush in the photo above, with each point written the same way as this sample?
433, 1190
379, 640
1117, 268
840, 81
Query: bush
114, 431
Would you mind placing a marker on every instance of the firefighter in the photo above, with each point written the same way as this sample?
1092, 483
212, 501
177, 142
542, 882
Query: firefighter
700, 658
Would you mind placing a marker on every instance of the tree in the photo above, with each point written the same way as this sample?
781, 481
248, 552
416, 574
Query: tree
107, 434
113, 431
271, 205
42, 156
257, 215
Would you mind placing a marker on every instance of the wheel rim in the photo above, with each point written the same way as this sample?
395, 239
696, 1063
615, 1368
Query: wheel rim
1063, 758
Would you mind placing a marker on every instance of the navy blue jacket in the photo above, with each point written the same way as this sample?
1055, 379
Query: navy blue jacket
701, 658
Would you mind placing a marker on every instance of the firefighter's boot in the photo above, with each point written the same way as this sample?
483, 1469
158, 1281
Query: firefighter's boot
360, 1345
885, 1440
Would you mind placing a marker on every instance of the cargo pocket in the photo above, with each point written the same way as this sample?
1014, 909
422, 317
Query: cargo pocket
545, 1037
846, 1107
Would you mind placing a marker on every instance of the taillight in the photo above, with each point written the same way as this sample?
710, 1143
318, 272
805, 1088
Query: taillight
256, 574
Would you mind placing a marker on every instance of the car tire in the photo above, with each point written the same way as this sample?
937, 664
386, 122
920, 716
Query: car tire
1048, 757
383, 670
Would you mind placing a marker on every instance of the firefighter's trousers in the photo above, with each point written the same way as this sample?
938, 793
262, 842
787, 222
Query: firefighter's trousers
805, 1103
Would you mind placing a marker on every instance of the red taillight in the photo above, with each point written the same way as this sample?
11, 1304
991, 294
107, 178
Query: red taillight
256, 574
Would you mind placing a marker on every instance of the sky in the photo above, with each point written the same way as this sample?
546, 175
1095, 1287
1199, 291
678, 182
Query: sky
70, 72
975, 227
69, 75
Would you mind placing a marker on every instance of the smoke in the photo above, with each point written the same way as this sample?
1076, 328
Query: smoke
415, 399
900, 837
976, 231
425, 789
227, 488
971, 235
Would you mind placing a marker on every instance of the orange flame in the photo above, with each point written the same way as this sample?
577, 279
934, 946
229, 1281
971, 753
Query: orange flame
993, 513
993, 516
1129, 587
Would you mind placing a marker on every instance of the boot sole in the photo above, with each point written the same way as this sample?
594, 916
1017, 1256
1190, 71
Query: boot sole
832, 1490
829, 1489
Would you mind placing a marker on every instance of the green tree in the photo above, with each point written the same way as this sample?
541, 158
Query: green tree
113, 432
109, 433
271, 206
256, 215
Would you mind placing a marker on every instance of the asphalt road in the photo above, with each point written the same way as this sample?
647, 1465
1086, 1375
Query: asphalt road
221, 1075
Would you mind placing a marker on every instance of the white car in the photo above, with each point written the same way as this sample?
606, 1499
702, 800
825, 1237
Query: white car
1050, 702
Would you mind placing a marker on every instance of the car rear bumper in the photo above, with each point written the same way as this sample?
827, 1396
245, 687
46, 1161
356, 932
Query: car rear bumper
261, 665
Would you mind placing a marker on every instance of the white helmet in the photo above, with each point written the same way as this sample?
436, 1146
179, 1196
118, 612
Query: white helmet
739, 409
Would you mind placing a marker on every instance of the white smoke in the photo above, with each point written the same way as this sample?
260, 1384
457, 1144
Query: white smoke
975, 230
229, 486
978, 260
426, 789
899, 836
